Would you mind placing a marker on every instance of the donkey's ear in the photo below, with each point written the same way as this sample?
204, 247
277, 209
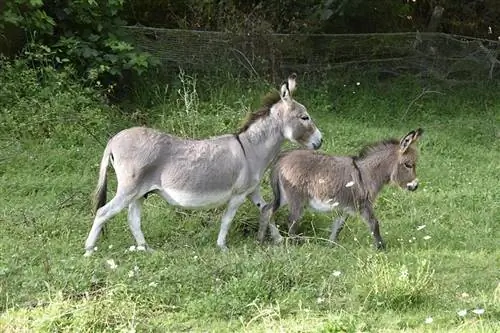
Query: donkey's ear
288, 87
410, 138
292, 83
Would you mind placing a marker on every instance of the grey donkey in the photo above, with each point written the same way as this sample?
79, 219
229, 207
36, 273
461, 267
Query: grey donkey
199, 173
324, 182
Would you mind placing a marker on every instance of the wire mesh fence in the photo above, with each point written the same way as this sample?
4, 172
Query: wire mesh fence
438, 55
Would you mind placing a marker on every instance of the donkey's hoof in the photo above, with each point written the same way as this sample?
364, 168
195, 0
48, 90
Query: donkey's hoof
380, 246
89, 251
223, 248
278, 240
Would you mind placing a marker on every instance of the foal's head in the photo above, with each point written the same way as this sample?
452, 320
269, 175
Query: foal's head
297, 124
404, 169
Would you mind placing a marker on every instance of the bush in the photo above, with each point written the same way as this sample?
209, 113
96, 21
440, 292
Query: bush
87, 35
46, 103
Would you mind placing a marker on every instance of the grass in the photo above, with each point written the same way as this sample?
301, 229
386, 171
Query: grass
47, 175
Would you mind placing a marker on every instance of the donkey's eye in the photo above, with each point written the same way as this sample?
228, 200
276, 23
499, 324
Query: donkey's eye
409, 165
304, 117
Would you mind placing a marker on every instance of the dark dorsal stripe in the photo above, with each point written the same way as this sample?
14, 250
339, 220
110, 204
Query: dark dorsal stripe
237, 136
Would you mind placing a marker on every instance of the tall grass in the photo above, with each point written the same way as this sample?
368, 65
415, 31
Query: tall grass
442, 255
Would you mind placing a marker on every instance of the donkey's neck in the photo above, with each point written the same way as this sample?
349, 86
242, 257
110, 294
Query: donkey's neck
376, 171
262, 142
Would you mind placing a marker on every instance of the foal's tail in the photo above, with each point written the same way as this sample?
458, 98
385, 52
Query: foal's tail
275, 186
102, 183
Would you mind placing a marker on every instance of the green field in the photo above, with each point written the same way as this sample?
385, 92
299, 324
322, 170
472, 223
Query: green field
442, 254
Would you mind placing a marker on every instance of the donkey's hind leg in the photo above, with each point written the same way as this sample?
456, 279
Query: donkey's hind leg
337, 226
134, 222
296, 208
103, 214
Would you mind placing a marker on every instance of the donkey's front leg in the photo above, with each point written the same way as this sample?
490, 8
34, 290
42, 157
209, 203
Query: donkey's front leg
369, 216
257, 199
233, 205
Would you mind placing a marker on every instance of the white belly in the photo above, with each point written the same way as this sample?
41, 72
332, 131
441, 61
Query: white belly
196, 200
323, 205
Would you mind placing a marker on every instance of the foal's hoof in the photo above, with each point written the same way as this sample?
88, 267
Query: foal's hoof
380, 246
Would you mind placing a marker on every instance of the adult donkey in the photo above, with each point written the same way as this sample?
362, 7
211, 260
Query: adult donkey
326, 182
200, 173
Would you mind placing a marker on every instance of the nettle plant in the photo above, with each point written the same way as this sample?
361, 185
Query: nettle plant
87, 34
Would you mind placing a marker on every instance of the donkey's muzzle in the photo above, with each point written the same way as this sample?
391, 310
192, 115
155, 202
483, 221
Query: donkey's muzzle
318, 144
412, 186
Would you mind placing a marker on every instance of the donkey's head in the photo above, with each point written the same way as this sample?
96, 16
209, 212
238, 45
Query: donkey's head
297, 124
404, 171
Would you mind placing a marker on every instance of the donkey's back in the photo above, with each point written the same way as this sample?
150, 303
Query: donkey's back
317, 179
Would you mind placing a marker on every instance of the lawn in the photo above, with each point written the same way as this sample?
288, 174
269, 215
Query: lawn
440, 271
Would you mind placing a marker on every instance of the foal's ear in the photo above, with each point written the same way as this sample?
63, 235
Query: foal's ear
288, 87
410, 138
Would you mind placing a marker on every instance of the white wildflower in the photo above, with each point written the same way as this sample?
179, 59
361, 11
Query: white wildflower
478, 311
462, 313
429, 320
110, 246
427, 237
358, 83
403, 275
131, 274
320, 300
350, 184
420, 227
153, 284
111, 263
490, 31
132, 248
336, 273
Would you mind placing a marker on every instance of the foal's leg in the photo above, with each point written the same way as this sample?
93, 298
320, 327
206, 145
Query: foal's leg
103, 214
257, 199
134, 222
337, 226
296, 208
265, 222
232, 207
369, 216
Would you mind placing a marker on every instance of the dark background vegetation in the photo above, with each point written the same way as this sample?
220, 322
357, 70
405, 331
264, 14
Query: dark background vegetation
87, 35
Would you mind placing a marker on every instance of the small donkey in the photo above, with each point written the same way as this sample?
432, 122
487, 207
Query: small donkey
324, 182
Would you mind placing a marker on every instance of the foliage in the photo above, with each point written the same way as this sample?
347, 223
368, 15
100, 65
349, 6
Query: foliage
44, 103
86, 34
317, 16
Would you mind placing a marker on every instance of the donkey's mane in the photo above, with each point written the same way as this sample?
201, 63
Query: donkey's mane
267, 102
376, 147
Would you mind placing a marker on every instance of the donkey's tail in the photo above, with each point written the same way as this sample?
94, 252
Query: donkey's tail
102, 183
275, 186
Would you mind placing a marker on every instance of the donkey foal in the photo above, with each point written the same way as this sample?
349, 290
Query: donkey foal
324, 182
